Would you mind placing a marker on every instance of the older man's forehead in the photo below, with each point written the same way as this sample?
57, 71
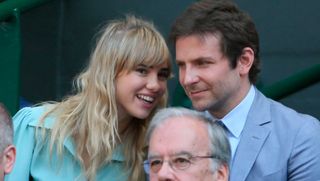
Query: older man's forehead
179, 136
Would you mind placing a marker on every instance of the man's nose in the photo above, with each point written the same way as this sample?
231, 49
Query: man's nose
189, 77
166, 173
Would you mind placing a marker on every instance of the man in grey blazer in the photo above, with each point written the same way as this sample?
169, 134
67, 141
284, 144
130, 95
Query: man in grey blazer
217, 52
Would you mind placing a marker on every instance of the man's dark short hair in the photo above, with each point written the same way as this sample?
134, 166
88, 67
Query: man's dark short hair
223, 19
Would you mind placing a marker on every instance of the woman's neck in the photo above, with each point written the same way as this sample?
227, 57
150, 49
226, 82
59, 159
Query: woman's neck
123, 123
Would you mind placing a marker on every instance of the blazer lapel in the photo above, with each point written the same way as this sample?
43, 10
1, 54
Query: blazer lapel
254, 134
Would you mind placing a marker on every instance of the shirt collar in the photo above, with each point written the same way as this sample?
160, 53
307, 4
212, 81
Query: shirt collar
237, 117
117, 154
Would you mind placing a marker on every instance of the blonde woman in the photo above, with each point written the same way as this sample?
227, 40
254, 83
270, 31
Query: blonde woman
97, 133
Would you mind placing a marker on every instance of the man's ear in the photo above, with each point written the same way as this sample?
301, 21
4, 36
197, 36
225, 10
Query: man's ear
245, 61
9, 157
223, 173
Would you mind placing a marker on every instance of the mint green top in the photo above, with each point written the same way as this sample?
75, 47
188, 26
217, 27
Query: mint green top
33, 158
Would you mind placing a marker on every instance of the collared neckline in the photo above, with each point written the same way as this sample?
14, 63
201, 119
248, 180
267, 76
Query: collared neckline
68, 143
236, 118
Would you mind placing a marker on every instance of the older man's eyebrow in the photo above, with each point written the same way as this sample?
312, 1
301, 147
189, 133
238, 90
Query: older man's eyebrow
154, 156
181, 153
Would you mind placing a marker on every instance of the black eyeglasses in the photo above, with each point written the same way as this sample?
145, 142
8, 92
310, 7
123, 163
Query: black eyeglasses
177, 163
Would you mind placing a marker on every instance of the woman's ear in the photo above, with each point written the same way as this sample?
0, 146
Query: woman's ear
9, 157
245, 61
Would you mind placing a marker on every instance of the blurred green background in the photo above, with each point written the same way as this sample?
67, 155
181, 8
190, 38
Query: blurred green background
43, 48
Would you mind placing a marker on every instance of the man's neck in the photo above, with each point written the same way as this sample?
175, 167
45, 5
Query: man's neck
232, 102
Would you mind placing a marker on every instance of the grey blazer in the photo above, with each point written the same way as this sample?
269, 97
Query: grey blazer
277, 144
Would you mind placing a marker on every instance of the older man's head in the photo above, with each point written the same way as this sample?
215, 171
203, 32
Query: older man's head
186, 145
7, 150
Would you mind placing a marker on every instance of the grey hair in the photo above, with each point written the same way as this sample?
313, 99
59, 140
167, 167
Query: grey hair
219, 143
6, 128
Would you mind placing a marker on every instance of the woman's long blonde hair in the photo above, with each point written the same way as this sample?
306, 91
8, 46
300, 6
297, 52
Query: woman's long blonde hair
90, 116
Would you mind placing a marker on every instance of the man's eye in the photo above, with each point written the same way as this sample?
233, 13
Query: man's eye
180, 65
200, 63
180, 162
155, 162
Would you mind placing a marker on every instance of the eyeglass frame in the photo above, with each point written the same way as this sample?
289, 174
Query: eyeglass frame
148, 169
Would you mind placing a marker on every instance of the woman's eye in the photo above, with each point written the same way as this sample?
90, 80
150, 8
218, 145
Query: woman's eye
163, 75
142, 70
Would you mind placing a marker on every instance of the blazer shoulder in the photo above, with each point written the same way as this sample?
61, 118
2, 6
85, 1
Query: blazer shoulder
274, 111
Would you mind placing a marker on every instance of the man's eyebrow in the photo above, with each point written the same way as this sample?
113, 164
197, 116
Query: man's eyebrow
153, 156
180, 153
204, 59
198, 59
181, 61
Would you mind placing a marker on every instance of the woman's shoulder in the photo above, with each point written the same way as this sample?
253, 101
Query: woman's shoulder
32, 115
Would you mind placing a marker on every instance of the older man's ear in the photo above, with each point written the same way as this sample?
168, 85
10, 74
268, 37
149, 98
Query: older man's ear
9, 157
222, 173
